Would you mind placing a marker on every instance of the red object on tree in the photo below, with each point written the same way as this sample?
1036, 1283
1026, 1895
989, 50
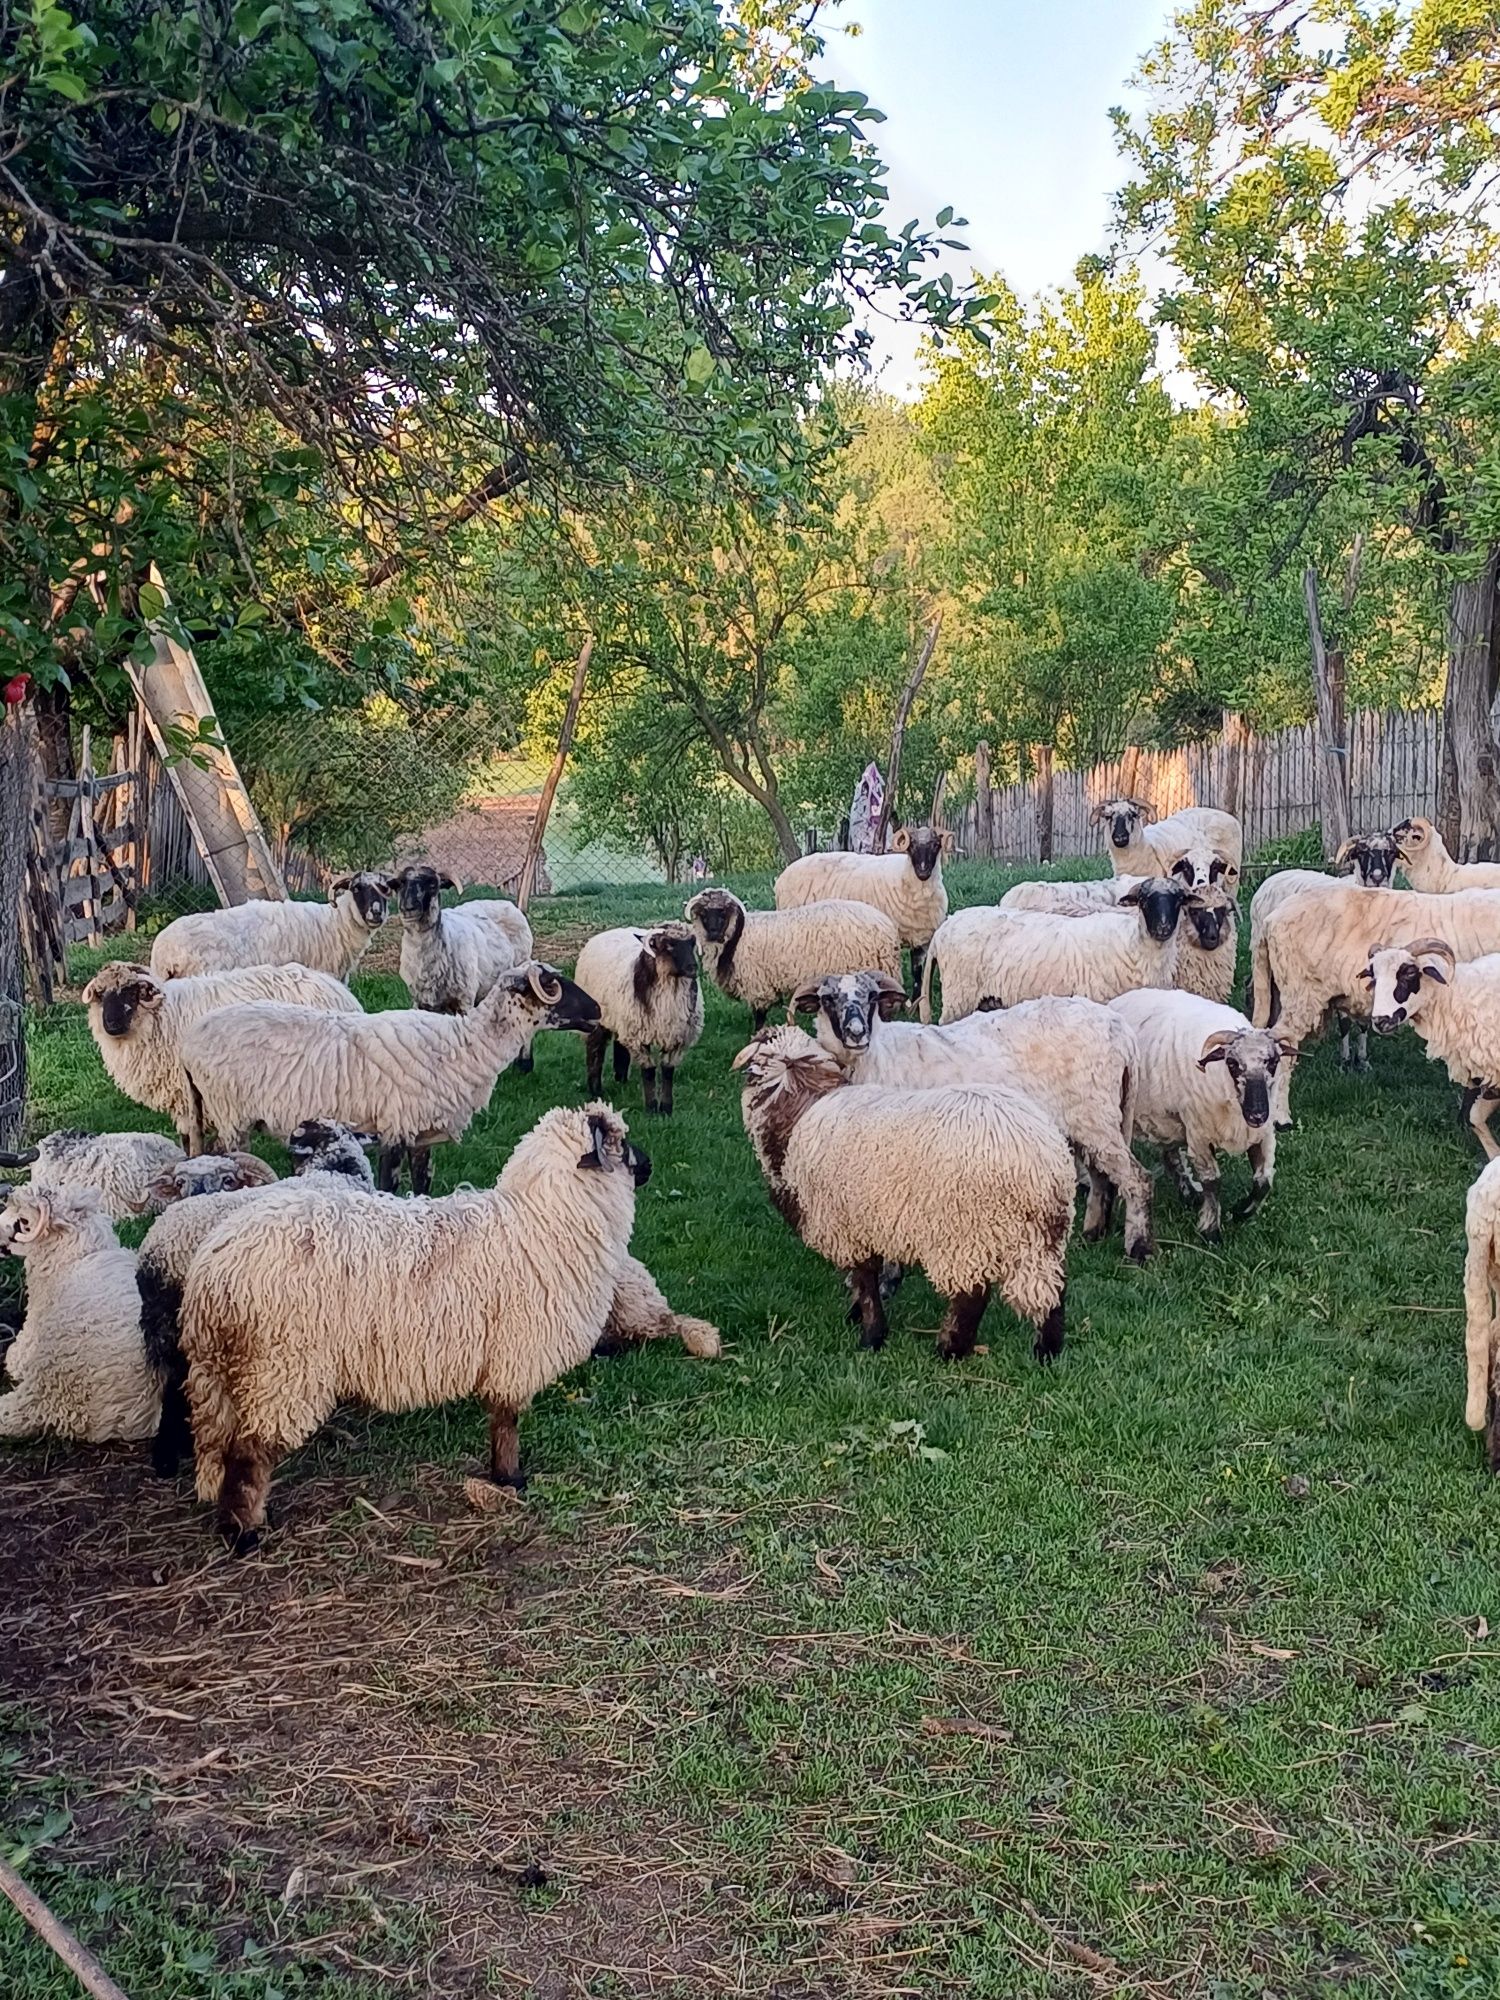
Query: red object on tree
15, 689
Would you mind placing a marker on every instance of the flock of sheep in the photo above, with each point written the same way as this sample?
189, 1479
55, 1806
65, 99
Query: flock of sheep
1076, 1018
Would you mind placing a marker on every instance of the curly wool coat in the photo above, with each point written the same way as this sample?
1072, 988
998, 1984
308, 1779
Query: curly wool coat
763, 956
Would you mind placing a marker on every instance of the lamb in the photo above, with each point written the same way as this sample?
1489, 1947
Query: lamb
514, 1286
200, 1200
1010, 955
907, 884
763, 956
414, 1078
638, 1312
1200, 844
331, 937
119, 1166
1455, 1008
1070, 899
139, 1021
1210, 944
1431, 869
1371, 859
975, 1185
1075, 1059
450, 959
646, 985
77, 1362
1481, 1290
1205, 1087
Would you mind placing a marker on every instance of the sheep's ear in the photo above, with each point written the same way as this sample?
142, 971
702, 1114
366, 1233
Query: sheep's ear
148, 994
946, 841
90, 992
1216, 1047
1132, 897
804, 1001
890, 996
1290, 1049
22, 1159
544, 983
597, 1158
36, 1218
902, 841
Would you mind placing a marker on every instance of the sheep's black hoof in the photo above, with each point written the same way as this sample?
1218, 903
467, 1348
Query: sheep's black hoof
1049, 1337
516, 1481
165, 1459
242, 1541
1139, 1251
1096, 1232
524, 1065
872, 1338
1212, 1237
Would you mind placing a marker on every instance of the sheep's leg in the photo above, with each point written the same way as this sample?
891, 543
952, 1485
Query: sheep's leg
918, 960
1211, 1208
868, 1307
388, 1168
622, 1062
505, 1446
1134, 1183
1263, 1166
524, 1064
957, 1333
1100, 1206
1049, 1335
1466, 1100
1175, 1160
891, 1277
757, 1019
1482, 1112
648, 1088
420, 1158
1362, 1060
594, 1044
668, 1071
248, 1465
174, 1431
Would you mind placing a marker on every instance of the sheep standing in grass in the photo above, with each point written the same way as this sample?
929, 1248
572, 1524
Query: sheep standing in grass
1204, 1087
1431, 869
120, 1167
1200, 844
1482, 1322
1455, 1009
907, 884
1075, 1059
1003, 956
330, 937
450, 959
646, 984
974, 1185
761, 957
511, 1286
415, 1078
77, 1363
196, 1197
139, 1021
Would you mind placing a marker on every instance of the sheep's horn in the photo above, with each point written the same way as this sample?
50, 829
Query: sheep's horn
544, 982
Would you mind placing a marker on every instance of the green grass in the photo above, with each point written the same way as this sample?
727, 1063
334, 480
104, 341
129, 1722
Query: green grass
812, 1672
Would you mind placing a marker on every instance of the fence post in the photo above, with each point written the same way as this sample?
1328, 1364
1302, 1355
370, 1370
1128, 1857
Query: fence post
984, 803
554, 777
1130, 765
1234, 762
1042, 754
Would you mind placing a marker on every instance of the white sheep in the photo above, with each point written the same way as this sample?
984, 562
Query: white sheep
77, 1362
450, 959
119, 1166
1075, 1059
1481, 1322
139, 1021
974, 1185
1070, 899
1455, 1009
907, 884
415, 1078
760, 957
646, 984
1204, 1088
402, 1304
1210, 945
638, 1312
1003, 956
1428, 866
196, 1196
1200, 843
330, 937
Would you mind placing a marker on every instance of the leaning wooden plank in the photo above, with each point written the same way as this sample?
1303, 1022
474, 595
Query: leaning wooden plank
226, 827
81, 1962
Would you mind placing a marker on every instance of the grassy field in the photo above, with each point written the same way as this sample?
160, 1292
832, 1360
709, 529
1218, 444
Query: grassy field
1167, 1671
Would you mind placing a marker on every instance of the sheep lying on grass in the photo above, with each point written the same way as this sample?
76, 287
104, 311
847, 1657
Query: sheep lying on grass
646, 985
206, 1190
761, 957
512, 1287
450, 959
415, 1078
974, 1185
1075, 1059
121, 1167
1204, 1087
327, 937
1482, 1323
139, 1021
907, 884
77, 1363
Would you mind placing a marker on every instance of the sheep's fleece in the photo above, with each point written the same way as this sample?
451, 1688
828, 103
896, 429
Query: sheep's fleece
327, 937
121, 1167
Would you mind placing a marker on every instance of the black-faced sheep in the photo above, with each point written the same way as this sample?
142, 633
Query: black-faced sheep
327, 937
1455, 1009
761, 957
907, 884
450, 959
646, 986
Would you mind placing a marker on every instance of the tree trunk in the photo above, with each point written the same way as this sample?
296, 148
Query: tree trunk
1333, 753
898, 733
1469, 794
1042, 754
984, 803
538, 831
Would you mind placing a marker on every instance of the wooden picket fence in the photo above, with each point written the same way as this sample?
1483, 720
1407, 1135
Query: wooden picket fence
1268, 782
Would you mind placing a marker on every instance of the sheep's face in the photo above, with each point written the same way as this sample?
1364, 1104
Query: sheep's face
1161, 900
1205, 868
1402, 979
121, 993
418, 891
210, 1173
324, 1146
370, 894
1122, 819
550, 1000
1211, 918
675, 949
610, 1149
1413, 837
924, 847
713, 912
785, 1063
1373, 857
847, 1005
1251, 1058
